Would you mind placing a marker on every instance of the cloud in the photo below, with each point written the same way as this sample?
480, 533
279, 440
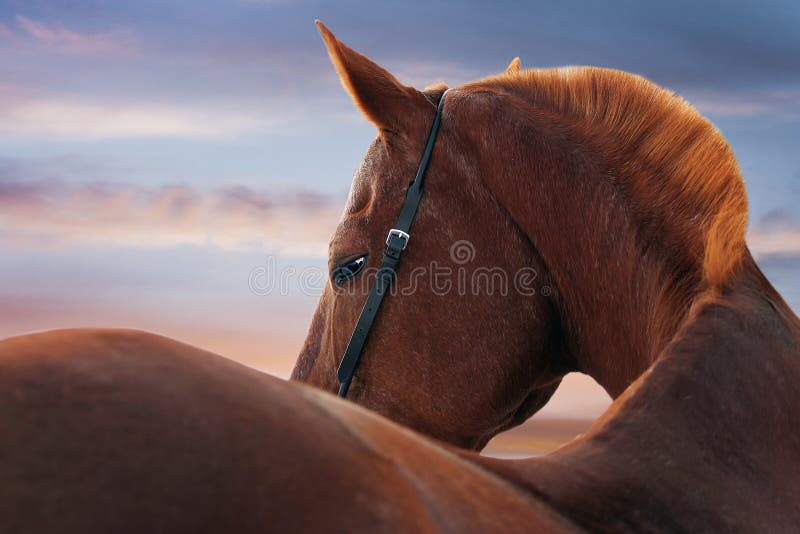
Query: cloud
62, 40
776, 233
765, 243
772, 102
54, 214
50, 212
26, 114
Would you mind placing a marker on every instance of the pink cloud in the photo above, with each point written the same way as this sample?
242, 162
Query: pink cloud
764, 243
778, 232
52, 214
746, 104
26, 112
63, 40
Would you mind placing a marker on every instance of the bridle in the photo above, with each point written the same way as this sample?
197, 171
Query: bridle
396, 243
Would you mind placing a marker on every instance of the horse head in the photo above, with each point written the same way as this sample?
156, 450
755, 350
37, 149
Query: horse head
466, 323
616, 198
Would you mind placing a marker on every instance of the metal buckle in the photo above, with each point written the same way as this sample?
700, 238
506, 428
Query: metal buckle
399, 233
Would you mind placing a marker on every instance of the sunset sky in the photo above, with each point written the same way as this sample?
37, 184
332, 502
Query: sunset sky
153, 154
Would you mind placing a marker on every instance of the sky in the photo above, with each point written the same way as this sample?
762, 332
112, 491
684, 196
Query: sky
157, 156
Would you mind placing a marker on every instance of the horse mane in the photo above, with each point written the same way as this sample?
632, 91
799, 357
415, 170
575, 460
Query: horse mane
677, 168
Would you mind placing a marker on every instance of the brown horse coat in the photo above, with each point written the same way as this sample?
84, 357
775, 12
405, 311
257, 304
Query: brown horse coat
656, 296
124, 431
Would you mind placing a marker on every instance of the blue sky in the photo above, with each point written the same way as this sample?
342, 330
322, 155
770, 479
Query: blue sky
153, 154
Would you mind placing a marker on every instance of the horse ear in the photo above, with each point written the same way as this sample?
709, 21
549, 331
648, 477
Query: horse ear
386, 102
514, 66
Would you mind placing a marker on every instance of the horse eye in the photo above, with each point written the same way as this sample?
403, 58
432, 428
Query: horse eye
348, 270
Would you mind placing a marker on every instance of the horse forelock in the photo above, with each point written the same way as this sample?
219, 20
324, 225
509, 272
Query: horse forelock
675, 165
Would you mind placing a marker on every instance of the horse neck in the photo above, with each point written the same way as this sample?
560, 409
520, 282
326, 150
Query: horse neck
715, 413
619, 306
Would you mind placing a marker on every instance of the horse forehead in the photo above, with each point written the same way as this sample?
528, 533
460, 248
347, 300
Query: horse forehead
366, 173
361, 190
375, 179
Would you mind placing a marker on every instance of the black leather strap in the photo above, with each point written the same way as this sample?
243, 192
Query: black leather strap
396, 242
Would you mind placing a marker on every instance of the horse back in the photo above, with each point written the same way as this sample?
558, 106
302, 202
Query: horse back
124, 431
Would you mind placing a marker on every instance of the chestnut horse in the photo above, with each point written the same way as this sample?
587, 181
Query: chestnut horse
630, 209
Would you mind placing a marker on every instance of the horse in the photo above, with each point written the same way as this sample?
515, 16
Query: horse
630, 208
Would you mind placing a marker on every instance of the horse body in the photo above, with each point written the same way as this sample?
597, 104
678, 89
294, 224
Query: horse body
124, 431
